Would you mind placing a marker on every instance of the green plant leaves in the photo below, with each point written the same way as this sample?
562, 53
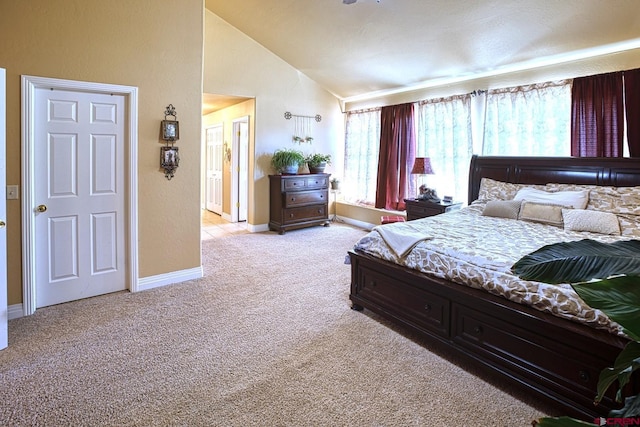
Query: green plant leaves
579, 261
618, 297
626, 363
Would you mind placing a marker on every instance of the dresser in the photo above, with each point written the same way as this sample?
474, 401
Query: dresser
297, 201
423, 208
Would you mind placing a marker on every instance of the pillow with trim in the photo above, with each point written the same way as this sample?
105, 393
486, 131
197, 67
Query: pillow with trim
591, 221
502, 208
543, 213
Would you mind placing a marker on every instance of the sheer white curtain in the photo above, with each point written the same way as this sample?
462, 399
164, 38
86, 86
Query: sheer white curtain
362, 146
444, 135
533, 120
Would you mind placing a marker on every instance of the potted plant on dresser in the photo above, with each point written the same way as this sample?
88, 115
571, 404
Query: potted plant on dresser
317, 162
287, 161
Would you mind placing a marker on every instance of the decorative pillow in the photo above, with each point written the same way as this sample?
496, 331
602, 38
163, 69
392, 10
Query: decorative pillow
593, 221
571, 199
544, 213
502, 208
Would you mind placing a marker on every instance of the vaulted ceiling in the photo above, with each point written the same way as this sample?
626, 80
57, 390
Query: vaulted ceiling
370, 46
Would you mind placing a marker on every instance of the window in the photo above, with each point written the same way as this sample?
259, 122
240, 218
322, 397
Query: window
444, 135
362, 144
532, 120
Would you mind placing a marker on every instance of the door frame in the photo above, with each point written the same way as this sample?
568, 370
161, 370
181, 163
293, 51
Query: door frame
29, 86
235, 166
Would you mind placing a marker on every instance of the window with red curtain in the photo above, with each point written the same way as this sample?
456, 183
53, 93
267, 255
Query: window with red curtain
597, 116
632, 106
397, 153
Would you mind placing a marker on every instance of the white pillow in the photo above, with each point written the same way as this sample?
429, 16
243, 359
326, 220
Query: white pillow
569, 199
588, 220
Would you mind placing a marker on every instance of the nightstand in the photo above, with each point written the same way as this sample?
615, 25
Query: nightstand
417, 209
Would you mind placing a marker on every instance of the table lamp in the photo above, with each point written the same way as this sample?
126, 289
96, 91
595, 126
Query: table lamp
422, 166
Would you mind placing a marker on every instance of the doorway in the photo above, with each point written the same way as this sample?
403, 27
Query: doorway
80, 190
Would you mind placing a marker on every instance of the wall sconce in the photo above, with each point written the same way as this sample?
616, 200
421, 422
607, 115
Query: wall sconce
170, 133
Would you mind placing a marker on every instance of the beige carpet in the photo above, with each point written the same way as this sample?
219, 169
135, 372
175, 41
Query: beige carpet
267, 338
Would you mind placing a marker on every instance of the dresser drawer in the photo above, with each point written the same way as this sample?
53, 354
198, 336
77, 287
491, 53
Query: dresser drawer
528, 353
289, 184
317, 182
305, 213
423, 308
301, 198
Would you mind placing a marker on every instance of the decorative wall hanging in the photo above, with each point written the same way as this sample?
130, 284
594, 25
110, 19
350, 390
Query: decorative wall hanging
170, 133
302, 126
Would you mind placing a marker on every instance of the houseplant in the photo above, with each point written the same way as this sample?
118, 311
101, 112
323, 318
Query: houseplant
317, 162
287, 161
335, 183
606, 277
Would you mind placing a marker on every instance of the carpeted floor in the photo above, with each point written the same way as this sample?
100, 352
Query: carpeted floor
266, 338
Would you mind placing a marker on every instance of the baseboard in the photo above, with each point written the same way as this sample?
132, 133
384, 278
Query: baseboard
15, 311
356, 223
259, 228
145, 283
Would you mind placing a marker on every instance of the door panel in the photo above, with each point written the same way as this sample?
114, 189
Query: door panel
79, 187
214, 169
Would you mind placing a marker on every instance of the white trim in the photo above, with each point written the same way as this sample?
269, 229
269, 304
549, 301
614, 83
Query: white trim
15, 311
258, 228
151, 282
29, 86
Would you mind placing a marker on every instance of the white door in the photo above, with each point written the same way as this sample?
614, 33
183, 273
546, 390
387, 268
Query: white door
79, 191
4, 333
214, 169
243, 169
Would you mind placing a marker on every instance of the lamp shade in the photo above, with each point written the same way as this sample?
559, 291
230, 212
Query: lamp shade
422, 166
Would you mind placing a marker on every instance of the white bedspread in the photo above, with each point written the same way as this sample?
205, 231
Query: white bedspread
478, 251
401, 237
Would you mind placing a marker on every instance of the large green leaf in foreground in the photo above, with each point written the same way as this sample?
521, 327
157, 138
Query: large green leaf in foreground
579, 261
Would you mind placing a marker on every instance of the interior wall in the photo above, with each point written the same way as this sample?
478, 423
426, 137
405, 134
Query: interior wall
234, 64
625, 60
155, 45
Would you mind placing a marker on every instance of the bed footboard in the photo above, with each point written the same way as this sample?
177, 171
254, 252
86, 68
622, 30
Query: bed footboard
554, 359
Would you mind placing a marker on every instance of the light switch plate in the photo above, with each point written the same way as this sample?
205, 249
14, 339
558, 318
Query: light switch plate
12, 192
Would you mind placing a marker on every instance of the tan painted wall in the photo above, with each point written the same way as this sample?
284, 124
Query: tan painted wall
236, 65
155, 45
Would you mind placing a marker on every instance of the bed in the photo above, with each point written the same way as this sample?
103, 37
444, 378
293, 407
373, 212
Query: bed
553, 352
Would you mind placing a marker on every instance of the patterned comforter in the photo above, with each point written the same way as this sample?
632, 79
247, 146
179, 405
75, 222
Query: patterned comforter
478, 251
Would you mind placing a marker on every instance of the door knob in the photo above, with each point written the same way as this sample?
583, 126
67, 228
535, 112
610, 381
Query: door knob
41, 208
2, 223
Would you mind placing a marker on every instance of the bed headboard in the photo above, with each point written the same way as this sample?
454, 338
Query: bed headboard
614, 171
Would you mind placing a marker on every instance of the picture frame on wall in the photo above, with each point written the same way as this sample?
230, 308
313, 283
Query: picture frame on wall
170, 130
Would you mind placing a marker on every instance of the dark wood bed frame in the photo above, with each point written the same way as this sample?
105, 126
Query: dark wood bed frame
555, 360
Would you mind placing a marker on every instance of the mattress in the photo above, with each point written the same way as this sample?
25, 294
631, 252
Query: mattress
478, 251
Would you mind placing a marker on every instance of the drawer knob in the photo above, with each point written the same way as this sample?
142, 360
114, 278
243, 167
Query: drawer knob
374, 283
427, 307
477, 330
293, 199
584, 376
290, 215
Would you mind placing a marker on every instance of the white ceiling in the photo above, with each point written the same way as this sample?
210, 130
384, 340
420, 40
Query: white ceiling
370, 46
